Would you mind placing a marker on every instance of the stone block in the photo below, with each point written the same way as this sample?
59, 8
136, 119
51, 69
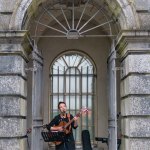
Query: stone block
5, 21
13, 144
12, 64
141, 43
12, 48
136, 64
12, 127
8, 5
135, 144
136, 127
135, 106
144, 19
13, 106
142, 5
14, 85
135, 84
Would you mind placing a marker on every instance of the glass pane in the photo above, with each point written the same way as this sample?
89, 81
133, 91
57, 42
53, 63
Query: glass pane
90, 71
84, 120
61, 84
55, 113
55, 70
72, 112
55, 102
72, 85
84, 85
77, 134
77, 60
73, 102
84, 101
55, 84
89, 106
90, 84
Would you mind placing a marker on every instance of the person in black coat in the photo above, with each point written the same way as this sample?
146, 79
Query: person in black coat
59, 123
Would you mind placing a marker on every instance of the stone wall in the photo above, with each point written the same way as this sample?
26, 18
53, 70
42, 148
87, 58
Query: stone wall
12, 92
135, 90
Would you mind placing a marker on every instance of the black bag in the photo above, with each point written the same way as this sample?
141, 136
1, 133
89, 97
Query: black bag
86, 142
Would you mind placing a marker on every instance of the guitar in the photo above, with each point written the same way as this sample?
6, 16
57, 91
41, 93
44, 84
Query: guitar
66, 125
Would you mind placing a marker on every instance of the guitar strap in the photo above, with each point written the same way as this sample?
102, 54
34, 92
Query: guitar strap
68, 116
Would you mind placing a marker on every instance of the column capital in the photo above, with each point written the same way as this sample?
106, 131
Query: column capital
15, 42
133, 41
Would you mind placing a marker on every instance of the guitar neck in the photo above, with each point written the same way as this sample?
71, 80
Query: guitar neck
71, 121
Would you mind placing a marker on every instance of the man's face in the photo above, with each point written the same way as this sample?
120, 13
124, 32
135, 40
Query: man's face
62, 108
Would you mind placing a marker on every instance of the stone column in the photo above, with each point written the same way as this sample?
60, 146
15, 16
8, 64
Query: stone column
112, 87
13, 89
134, 48
37, 118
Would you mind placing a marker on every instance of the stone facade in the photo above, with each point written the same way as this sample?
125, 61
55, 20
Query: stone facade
13, 91
132, 45
135, 90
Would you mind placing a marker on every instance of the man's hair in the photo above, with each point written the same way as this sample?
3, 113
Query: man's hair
61, 103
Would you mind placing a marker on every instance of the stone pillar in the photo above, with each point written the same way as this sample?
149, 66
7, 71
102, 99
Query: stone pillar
134, 48
37, 118
112, 87
13, 89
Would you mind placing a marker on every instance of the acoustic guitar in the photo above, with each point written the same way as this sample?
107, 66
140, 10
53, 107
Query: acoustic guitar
66, 125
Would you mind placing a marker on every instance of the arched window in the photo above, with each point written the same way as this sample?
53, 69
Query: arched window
73, 81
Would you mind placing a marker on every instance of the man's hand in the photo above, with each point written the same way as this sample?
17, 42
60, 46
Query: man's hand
75, 121
57, 129
75, 118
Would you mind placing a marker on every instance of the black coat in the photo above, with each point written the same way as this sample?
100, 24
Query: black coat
68, 142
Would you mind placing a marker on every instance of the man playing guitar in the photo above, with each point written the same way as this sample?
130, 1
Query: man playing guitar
64, 122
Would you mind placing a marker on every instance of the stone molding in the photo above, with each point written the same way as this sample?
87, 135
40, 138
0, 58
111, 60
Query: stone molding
118, 8
15, 42
127, 36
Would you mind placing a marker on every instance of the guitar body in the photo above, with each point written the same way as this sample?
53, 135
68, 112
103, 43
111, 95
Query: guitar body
66, 130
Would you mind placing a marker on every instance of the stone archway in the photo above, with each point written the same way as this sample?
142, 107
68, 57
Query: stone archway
123, 10
120, 9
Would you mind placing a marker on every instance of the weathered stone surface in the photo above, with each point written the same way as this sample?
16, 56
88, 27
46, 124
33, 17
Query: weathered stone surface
13, 85
144, 20
135, 144
12, 48
135, 106
136, 64
7, 5
13, 144
136, 127
142, 5
12, 64
4, 21
135, 85
13, 106
12, 127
